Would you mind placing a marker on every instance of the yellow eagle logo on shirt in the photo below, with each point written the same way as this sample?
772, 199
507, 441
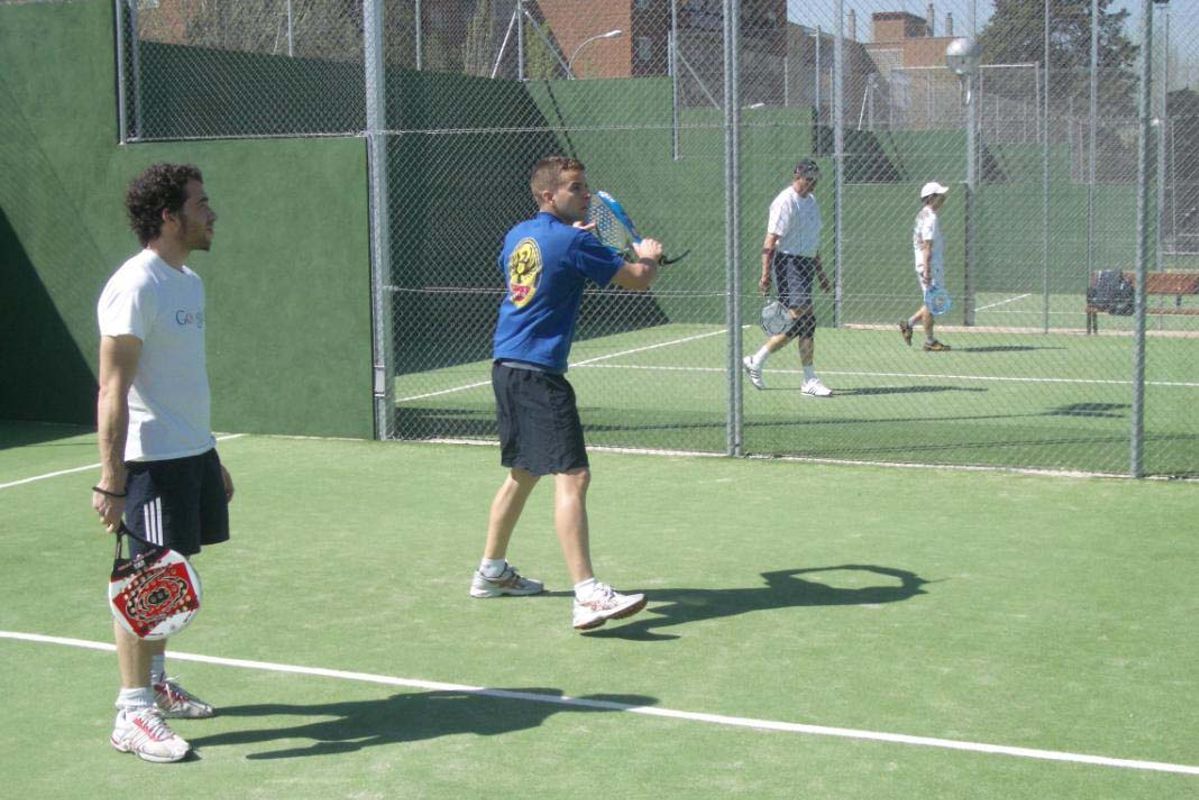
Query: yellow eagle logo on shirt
524, 272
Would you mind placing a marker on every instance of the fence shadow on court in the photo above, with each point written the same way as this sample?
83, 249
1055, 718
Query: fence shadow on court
783, 589
358, 724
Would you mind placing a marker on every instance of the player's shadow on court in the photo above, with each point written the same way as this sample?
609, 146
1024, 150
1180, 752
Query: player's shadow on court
344, 727
783, 589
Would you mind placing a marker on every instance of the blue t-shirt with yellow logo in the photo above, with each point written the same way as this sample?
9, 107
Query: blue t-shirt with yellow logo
546, 264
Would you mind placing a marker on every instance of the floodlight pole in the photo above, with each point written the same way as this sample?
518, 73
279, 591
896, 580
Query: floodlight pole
570, 64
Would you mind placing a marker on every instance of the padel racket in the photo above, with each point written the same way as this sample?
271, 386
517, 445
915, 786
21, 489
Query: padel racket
775, 318
154, 594
614, 227
937, 300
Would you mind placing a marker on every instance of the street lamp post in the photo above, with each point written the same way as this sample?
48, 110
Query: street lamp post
613, 34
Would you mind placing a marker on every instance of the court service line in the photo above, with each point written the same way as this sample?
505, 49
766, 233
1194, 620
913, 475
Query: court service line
1003, 302
865, 374
651, 711
583, 363
86, 468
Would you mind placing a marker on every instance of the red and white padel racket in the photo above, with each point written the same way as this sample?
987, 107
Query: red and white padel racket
155, 594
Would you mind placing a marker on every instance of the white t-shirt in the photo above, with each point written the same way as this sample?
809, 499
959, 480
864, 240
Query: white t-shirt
928, 229
169, 401
796, 221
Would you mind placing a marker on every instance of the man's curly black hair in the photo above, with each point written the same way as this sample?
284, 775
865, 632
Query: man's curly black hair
160, 187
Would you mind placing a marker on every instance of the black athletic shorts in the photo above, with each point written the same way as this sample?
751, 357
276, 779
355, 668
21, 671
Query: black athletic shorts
793, 276
178, 503
538, 421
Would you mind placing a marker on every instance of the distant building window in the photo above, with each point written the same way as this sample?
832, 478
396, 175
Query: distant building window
645, 48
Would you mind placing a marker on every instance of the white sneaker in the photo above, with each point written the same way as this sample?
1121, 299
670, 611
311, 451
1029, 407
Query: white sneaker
754, 372
814, 388
143, 733
175, 702
604, 604
507, 582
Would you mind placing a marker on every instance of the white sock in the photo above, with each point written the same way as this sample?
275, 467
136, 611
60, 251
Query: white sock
135, 699
158, 668
493, 567
761, 356
809, 372
929, 339
584, 589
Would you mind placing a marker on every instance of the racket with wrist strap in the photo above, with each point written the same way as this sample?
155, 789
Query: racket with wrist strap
614, 227
155, 594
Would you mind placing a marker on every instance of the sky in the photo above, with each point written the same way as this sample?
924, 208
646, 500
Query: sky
1184, 14
1183, 17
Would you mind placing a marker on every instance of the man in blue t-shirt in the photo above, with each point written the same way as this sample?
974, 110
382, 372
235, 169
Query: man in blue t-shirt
546, 262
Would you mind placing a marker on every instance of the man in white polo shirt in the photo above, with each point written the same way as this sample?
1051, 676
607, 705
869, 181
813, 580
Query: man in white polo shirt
791, 255
158, 459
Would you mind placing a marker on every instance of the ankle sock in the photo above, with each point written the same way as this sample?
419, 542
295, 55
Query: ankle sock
493, 567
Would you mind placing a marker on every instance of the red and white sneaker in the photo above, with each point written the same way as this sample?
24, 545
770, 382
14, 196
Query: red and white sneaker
175, 702
603, 604
143, 733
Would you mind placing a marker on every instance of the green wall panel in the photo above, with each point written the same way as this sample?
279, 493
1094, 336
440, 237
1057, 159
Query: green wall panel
287, 279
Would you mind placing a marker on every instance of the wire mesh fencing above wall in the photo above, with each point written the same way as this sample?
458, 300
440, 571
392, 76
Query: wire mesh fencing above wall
1039, 149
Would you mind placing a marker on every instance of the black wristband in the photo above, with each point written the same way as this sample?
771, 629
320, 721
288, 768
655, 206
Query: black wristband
107, 493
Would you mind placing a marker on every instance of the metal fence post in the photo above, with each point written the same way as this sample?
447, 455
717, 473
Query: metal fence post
122, 97
838, 160
732, 220
1136, 465
376, 140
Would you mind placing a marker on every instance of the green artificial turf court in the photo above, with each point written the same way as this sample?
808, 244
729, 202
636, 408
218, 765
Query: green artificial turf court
1007, 395
803, 620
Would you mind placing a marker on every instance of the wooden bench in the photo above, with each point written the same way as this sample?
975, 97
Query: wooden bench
1159, 283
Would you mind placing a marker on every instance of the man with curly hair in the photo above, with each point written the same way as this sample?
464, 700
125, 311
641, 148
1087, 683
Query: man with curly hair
159, 469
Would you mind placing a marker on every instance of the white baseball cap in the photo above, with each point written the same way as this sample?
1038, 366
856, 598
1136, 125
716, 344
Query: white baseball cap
931, 188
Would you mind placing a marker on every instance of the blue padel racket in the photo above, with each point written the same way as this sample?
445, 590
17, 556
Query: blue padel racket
154, 594
614, 227
937, 300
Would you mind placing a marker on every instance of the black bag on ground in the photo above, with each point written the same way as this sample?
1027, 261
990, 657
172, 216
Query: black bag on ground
1112, 293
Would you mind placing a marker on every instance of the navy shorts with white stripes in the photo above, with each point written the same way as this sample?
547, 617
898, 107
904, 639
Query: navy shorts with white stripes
178, 503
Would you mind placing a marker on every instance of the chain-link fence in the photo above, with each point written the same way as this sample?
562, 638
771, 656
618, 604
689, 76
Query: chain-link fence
1055, 197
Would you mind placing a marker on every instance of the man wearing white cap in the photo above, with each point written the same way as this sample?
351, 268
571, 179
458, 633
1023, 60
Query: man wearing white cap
929, 245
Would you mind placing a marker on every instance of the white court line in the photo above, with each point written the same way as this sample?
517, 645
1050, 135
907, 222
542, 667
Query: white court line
1001, 379
584, 363
86, 468
650, 711
1003, 302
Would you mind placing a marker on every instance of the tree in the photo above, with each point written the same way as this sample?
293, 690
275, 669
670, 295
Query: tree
477, 47
1015, 34
540, 62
